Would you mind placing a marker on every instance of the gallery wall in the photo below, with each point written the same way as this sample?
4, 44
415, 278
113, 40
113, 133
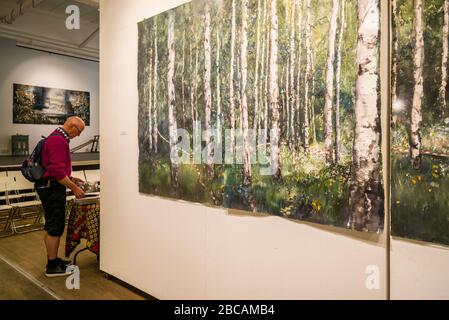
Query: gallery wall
178, 250
24, 66
419, 270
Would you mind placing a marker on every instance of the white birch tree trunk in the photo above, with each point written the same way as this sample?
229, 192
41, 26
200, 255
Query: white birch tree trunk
274, 92
192, 113
312, 103
442, 93
207, 90
183, 107
231, 80
172, 125
195, 83
155, 77
218, 122
337, 83
284, 126
286, 86
416, 115
307, 77
298, 72
243, 97
329, 94
256, 74
394, 58
292, 73
365, 195
262, 92
267, 71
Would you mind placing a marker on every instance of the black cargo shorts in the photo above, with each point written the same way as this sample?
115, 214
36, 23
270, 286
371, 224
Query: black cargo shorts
53, 197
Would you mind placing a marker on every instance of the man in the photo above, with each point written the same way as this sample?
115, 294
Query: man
52, 189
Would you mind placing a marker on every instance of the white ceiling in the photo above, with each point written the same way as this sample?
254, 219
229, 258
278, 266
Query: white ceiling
43, 27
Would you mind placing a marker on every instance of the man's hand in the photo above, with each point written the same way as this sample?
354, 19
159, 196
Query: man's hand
78, 192
77, 180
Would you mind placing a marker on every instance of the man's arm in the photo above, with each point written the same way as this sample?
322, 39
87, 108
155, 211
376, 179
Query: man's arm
77, 191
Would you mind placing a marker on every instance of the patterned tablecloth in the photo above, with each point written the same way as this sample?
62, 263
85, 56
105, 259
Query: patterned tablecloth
84, 222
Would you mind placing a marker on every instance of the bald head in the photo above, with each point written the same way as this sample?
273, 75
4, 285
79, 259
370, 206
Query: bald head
74, 126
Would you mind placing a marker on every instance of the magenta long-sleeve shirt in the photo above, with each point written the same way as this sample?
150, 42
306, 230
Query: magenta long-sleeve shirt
56, 157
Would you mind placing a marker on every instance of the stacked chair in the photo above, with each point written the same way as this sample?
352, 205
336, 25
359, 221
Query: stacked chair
5, 209
20, 207
26, 212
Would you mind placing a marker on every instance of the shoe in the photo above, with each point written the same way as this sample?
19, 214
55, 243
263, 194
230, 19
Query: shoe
58, 271
64, 263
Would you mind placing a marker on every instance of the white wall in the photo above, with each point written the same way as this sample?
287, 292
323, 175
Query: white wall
419, 270
175, 250
24, 66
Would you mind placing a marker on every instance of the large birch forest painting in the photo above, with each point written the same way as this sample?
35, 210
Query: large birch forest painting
420, 120
268, 106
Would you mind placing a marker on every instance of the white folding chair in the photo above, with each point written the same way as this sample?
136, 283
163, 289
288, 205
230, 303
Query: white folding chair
13, 196
26, 188
5, 179
6, 212
17, 176
25, 210
14, 173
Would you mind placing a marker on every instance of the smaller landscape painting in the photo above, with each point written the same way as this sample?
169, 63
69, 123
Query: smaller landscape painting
41, 105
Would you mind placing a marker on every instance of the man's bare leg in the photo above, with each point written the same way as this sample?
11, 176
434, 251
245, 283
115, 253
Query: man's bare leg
52, 245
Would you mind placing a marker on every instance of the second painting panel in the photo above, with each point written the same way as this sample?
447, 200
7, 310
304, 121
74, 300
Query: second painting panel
420, 120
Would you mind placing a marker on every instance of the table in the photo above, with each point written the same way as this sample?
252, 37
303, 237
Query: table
84, 222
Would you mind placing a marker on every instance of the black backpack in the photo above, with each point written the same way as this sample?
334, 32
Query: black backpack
32, 168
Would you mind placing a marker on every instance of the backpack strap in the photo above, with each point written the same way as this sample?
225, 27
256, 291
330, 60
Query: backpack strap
39, 155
